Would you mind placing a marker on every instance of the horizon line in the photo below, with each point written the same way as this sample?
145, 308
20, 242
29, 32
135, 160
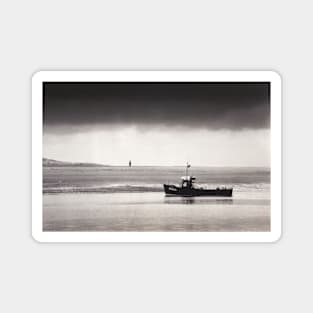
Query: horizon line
167, 165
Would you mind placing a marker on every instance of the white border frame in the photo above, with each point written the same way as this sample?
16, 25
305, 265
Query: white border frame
156, 76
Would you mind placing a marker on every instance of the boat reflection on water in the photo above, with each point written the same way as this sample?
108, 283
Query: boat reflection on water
195, 200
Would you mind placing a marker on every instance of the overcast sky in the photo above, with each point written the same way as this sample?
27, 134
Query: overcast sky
217, 124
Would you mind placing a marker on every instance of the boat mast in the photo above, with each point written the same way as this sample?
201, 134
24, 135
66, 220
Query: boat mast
187, 166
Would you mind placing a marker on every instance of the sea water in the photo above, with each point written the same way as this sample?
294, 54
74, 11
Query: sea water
132, 199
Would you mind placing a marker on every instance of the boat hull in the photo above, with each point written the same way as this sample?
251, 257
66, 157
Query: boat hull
196, 192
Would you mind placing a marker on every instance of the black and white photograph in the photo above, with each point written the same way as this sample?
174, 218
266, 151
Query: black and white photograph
156, 156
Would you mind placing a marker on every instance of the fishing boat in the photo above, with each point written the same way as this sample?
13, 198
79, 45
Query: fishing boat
187, 189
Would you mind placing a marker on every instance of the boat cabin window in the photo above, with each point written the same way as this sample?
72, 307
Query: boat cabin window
187, 184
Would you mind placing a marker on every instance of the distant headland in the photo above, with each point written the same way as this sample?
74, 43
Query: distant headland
55, 163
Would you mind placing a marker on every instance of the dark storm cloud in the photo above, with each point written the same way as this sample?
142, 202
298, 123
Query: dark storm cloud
203, 105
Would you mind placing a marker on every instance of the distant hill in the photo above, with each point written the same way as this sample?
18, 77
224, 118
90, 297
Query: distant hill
54, 163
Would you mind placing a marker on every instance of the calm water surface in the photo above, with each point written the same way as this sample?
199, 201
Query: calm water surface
131, 199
